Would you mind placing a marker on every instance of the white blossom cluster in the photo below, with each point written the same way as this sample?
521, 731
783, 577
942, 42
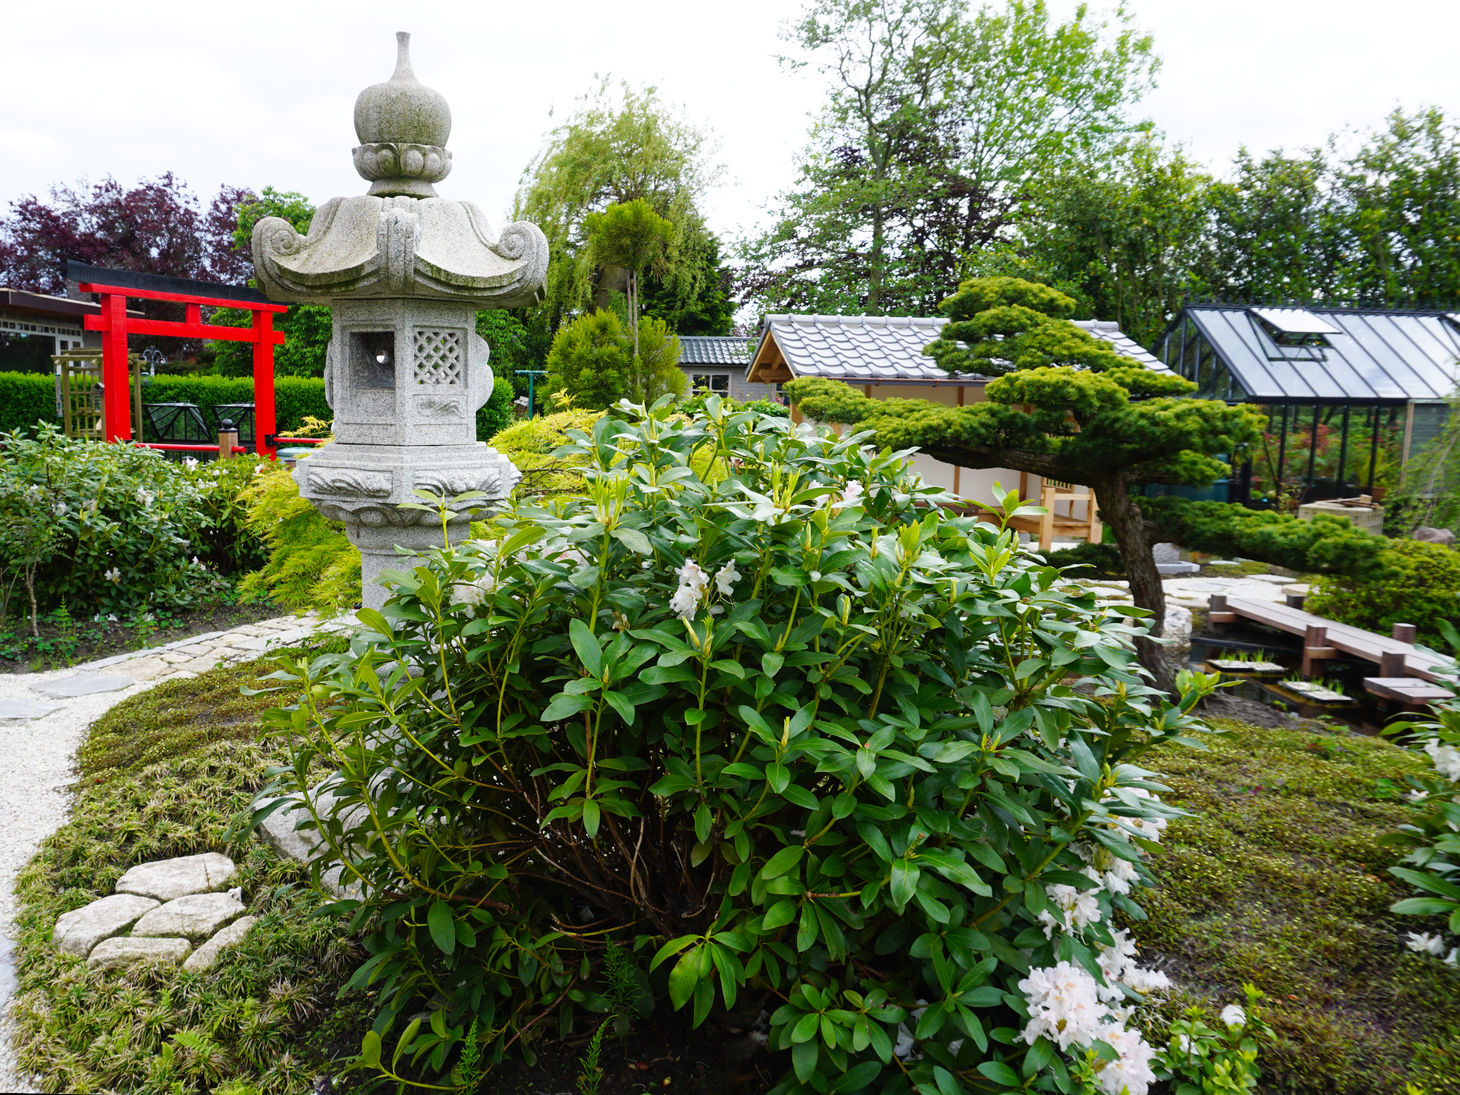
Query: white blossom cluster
1446, 758
694, 586
1070, 1006
1433, 945
1066, 1006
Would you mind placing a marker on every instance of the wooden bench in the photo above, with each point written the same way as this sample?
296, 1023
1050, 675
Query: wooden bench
1054, 494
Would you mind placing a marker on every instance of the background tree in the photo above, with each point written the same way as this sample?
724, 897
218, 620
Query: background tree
155, 227
592, 362
936, 125
1124, 235
306, 327
1063, 404
632, 236
1400, 197
623, 145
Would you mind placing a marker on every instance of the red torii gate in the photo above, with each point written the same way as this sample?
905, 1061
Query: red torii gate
115, 286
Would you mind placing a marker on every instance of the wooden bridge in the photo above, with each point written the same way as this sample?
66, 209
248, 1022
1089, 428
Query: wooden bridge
1407, 674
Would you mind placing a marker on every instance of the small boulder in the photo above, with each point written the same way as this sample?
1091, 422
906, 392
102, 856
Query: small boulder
207, 954
79, 930
168, 879
122, 951
1426, 535
195, 916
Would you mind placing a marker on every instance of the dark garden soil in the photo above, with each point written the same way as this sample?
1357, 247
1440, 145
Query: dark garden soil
658, 1054
71, 642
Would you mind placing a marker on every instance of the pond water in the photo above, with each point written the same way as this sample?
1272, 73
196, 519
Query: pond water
1358, 709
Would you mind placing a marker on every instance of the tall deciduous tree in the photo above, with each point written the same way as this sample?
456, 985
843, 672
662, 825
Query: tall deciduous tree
1124, 235
155, 227
306, 327
1064, 405
936, 125
622, 145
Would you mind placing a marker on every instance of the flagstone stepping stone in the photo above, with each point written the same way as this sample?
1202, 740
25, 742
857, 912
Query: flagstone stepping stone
81, 684
195, 916
122, 951
80, 930
168, 879
204, 957
19, 710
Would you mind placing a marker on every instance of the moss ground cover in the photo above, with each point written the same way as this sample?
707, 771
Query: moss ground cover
1280, 879
164, 774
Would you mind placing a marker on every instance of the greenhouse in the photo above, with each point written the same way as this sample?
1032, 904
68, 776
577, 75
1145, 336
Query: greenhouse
1350, 393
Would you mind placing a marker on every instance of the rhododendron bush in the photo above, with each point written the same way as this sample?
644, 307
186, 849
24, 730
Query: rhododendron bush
757, 709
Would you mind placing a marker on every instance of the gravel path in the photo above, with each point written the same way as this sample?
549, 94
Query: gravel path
37, 751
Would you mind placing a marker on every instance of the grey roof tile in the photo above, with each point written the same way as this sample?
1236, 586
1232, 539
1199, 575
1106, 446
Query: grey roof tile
890, 348
715, 350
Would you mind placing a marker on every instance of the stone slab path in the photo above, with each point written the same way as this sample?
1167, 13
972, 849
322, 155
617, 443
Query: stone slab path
44, 717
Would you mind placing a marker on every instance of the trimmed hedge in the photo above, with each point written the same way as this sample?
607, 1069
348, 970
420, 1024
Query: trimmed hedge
1324, 545
295, 397
26, 399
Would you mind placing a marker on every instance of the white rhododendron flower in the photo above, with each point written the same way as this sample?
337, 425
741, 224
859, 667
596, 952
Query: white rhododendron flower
1234, 1015
1077, 908
726, 577
1426, 944
852, 496
1064, 1005
693, 581
1130, 1073
471, 593
190, 462
113, 575
1446, 758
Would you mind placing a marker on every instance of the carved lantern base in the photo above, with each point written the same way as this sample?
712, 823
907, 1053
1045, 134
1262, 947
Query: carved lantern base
364, 485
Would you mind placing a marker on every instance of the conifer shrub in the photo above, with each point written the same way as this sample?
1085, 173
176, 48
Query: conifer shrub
1416, 583
755, 708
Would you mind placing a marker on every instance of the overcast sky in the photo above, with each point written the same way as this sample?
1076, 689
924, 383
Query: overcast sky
258, 95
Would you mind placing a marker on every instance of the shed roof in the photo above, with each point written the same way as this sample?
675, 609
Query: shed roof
877, 349
1364, 356
714, 350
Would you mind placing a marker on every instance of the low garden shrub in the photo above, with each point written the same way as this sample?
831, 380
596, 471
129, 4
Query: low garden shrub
1417, 583
1324, 545
798, 740
311, 564
531, 445
112, 529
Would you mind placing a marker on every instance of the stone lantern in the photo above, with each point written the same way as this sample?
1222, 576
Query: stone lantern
404, 272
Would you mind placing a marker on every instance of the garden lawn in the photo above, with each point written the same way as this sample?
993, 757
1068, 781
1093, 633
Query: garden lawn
1280, 879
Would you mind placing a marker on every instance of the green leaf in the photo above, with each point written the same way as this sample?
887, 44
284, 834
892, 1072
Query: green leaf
370, 1049
771, 662
685, 976
803, 1059
634, 540
781, 914
591, 815
782, 861
442, 925
904, 882
999, 1073
585, 644
564, 705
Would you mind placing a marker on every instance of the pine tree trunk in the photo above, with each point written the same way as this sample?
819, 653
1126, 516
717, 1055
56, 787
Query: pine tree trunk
1122, 513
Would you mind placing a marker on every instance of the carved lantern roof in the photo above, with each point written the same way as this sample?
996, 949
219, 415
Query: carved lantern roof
400, 239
